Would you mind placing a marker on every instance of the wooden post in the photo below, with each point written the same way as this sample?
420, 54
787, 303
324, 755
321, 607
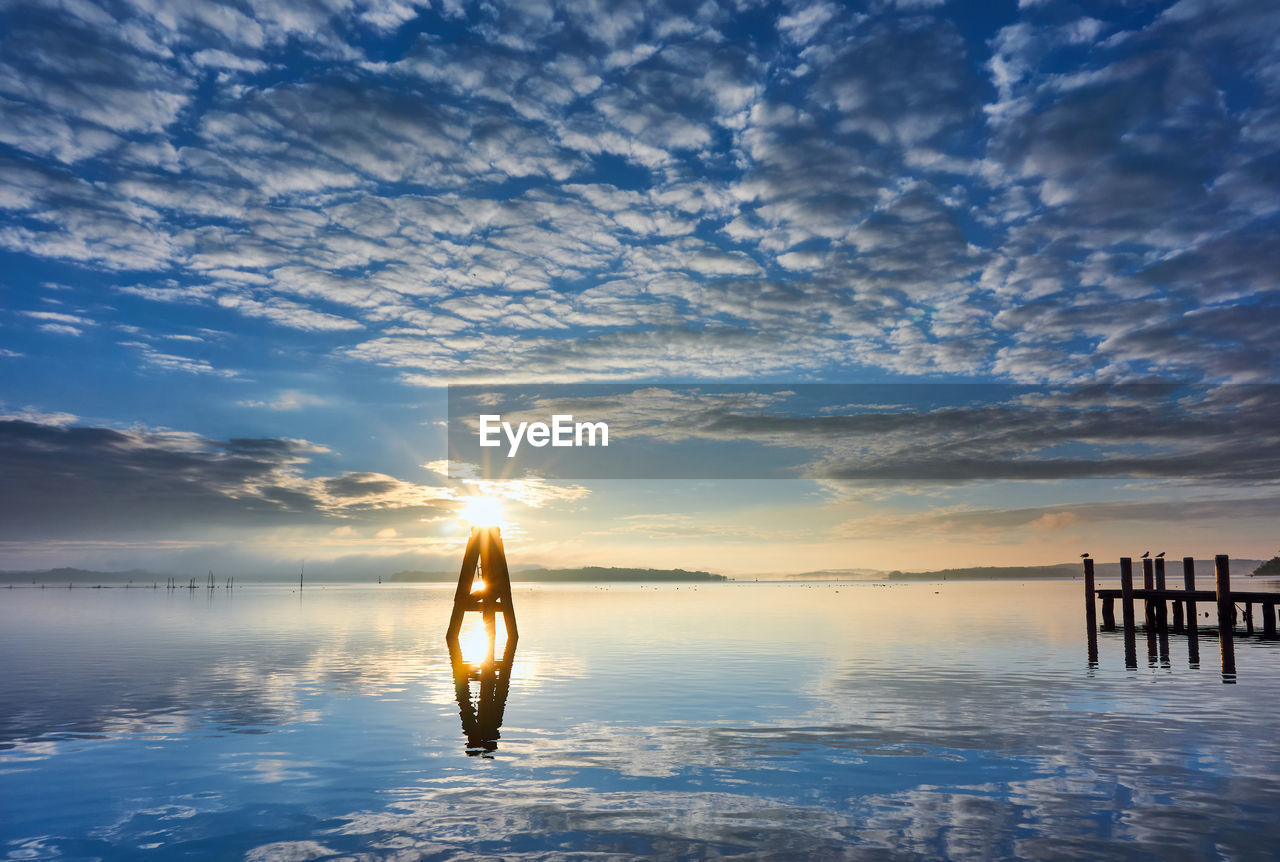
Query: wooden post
1108, 614
1126, 610
1162, 609
1248, 617
1193, 619
1268, 620
1226, 616
1148, 583
466, 576
1090, 612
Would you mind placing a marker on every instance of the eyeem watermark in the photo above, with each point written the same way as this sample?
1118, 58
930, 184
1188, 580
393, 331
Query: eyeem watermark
562, 431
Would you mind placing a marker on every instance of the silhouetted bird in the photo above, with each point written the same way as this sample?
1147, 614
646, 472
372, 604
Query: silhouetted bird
1146, 554
1085, 554
1160, 556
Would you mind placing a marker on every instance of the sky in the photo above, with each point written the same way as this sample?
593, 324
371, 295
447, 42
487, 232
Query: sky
246, 247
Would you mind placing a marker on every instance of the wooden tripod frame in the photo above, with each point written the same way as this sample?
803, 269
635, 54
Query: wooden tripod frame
484, 550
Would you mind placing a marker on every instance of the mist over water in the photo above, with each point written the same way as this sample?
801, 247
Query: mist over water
782, 721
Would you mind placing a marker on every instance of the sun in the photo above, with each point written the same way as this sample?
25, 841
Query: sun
482, 512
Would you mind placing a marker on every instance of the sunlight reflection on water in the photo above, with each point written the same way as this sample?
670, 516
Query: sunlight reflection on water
826, 721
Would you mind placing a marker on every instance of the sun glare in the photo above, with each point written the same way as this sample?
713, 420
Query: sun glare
482, 512
473, 641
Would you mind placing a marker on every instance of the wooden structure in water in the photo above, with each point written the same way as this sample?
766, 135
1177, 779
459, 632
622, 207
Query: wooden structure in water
484, 584
1158, 599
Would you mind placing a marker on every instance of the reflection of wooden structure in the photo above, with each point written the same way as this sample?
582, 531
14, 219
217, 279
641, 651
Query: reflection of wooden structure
484, 584
482, 720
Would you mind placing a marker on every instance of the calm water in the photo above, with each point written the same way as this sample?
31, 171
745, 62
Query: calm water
958, 720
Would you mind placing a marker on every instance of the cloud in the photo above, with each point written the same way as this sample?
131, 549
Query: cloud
59, 323
90, 482
173, 362
598, 189
290, 399
1122, 176
854, 436
39, 417
971, 520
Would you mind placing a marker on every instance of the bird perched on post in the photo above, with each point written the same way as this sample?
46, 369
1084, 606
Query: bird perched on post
1160, 556
1146, 554
1084, 555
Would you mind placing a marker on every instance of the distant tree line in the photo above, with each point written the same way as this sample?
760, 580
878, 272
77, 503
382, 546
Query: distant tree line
585, 574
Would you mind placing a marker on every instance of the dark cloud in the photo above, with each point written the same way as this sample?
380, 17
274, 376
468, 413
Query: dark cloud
95, 483
359, 485
904, 436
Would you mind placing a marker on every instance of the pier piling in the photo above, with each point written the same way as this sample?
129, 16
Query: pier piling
1126, 610
1162, 609
1193, 620
1148, 583
1090, 612
1108, 614
1226, 616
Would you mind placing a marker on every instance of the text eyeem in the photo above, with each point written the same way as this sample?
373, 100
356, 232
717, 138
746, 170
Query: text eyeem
562, 431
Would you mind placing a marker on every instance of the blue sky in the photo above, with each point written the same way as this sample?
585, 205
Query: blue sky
251, 243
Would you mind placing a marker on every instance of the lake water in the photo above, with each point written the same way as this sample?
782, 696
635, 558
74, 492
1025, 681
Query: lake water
953, 720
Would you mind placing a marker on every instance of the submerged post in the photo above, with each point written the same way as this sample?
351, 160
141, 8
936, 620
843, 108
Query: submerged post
1148, 584
1090, 612
491, 594
1162, 609
1193, 620
1108, 614
1226, 616
1126, 609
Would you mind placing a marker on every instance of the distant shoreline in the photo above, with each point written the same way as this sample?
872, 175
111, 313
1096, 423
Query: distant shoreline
616, 575
585, 574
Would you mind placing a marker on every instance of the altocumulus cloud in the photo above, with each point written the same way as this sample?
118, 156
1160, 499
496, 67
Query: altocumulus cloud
578, 190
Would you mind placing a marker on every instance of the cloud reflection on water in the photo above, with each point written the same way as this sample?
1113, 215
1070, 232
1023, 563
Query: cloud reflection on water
755, 720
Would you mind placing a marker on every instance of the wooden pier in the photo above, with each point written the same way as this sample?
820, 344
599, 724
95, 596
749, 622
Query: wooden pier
1158, 599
